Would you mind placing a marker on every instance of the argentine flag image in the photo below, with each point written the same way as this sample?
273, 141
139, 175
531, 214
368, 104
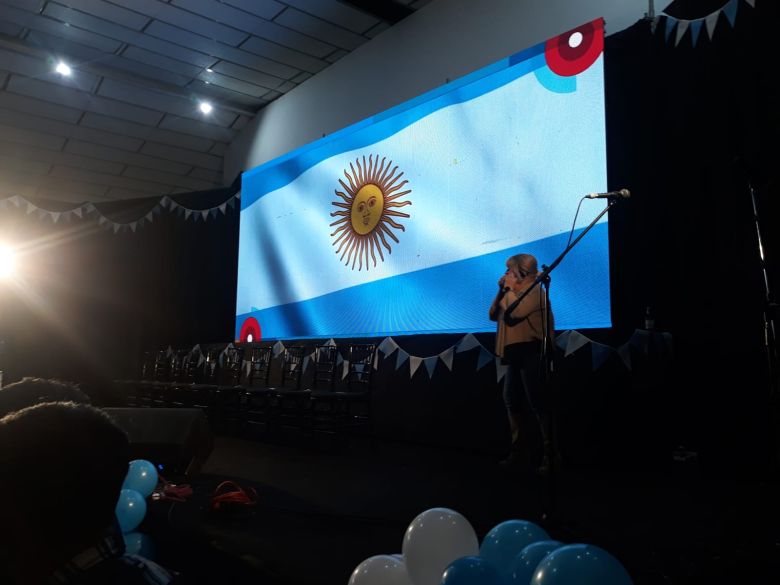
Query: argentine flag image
401, 223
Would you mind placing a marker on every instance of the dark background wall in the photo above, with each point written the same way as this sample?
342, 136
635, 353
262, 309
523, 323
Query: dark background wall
689, 129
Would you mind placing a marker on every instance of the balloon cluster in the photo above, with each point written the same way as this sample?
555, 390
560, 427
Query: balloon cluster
440, 547
140, 481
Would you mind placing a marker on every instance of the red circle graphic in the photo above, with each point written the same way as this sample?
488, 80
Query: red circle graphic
576, 50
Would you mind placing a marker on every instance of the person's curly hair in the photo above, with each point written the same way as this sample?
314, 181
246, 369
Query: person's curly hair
31, 391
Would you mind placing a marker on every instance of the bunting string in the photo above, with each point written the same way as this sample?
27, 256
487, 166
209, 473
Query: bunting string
675, 28
91, 211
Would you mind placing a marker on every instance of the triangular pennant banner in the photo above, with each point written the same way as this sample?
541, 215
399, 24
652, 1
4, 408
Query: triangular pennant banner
447, 357
751, 2
277, 348
16, 200
711, 22
730, 10
187, 213
485, 357
339, 359
55, 216
204, 214
222, 208
133, 226
500, 370
466, 343
387, 346
682, 26
400, 358
624, 351
414, 363
670, 22
599, 354
164, 202
78, 212
331, 342
30, 207
695, 30
430, 364
344, 369
562, 340
576, 341
116, 227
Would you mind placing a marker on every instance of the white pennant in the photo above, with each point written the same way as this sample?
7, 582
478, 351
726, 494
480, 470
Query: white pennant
485, 357
133, 226
149, 217
682, 26
102, 220
466, 343
400, 358
751, 2
116, 227
387, 346
30, 207
278, 348
624, 351
447, 357
222, 208
430, 364
89, 208
576, 341
56, 216
204, 214
187, 213
164, 202
710, 22
500, 370
16, 200
414, 363
78, 212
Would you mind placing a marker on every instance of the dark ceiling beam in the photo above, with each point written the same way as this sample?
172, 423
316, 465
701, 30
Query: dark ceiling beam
387, 10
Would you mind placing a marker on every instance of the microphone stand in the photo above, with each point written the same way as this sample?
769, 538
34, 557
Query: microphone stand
546, 363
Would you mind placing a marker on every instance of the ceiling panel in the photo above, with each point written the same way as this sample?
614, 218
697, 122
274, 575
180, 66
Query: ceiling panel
20, 103
126, 123
100, 9
337, 13
116, 155
282, 54
318, 28
124, 128
208, 161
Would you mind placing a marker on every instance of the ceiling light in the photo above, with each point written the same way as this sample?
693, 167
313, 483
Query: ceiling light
205, 107
63, 69
209, 70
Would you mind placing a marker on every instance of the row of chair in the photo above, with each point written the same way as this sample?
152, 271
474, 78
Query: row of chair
248, 388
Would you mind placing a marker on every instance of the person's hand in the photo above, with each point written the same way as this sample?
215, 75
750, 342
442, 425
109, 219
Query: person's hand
501, 282
510, 279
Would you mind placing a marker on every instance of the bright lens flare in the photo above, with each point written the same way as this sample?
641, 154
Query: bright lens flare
7, 261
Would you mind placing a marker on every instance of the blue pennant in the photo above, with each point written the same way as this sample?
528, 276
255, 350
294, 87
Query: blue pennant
670, 22
730, 10
695, 30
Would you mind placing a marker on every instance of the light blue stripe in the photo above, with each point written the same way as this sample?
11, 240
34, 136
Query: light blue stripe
451, 298
285, 169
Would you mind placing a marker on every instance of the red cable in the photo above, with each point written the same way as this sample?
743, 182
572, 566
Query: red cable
238, 495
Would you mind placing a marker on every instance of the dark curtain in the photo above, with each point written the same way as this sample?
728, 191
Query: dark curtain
690, 131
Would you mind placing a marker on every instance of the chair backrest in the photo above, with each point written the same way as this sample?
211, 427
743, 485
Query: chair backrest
162, 366
147, 365
259, 367
292, 367
191, 367
325, 358
210, 368
231, 367
361, 366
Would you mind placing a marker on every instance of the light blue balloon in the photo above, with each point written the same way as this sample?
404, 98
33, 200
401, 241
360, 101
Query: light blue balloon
141, 477
130, 509
507, 540
137, 543
583, 564
470, 571
524, 565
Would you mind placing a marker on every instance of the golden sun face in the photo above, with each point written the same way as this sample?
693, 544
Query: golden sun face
366, 212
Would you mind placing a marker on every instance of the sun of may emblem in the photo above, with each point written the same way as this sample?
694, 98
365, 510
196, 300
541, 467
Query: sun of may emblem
366, 212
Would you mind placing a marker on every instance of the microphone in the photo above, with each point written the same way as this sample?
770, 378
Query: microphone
621, 194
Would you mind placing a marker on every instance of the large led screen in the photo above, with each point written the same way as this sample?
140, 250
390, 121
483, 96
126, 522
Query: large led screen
401, 223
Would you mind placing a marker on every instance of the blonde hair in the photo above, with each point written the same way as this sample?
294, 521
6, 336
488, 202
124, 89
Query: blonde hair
522, 263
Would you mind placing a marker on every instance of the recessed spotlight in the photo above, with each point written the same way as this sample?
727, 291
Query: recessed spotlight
209, 70
205, 107
63, 69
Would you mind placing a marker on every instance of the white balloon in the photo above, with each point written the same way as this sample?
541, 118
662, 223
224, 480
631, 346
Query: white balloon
433, 540
381, 570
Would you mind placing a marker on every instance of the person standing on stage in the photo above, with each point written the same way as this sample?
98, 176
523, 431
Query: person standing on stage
519, 342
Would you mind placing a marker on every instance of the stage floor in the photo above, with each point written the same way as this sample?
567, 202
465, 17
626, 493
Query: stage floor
324, 508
